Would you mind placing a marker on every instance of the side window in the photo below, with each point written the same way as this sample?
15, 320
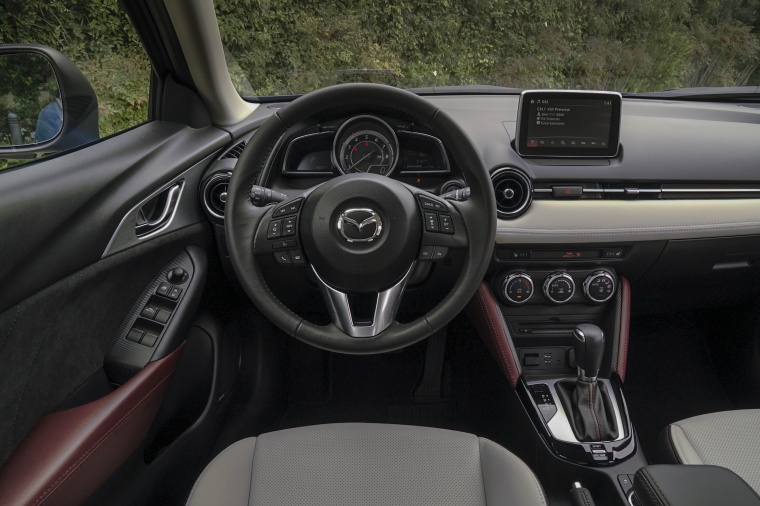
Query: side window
99, 39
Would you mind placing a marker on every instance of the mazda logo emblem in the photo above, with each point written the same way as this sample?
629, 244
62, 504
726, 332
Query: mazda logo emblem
360, 225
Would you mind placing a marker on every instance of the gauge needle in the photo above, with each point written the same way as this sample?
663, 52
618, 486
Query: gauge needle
360, 160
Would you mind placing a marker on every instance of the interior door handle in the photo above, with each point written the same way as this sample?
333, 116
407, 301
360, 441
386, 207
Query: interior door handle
157, 213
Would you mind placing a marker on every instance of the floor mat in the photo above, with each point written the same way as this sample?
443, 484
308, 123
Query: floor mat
670, 375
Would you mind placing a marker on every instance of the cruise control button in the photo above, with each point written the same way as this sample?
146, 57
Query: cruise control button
297, 257
429, 204
447, 226
426, 252
431, 222
283, 258
275, 229
440, 252
289, 226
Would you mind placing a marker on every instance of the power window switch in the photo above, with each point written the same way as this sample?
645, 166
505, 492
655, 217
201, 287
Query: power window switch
163, 288
174, 293
135, 335
149, 340
163, 316
149, 312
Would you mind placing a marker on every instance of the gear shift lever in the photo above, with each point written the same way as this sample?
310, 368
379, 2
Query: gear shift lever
589, 350
586, 401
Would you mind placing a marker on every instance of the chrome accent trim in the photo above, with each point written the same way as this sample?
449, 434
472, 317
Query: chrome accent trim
554, 276
167, 213
522, 179
373, 218
386, 307
711, 190
559, 426
591, 277
515, 275
219, 176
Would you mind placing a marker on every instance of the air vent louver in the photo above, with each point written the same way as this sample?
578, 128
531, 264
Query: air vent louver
513, 191
215, 194
235, 151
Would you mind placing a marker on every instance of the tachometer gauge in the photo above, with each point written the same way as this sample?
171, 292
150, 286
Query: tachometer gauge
366, 144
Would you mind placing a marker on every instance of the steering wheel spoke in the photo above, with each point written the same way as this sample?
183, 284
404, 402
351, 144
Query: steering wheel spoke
278, 234
443, 227
386, 306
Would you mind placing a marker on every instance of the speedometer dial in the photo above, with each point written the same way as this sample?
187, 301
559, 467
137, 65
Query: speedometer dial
366, 144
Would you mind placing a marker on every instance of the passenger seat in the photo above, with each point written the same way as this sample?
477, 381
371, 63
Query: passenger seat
729, 439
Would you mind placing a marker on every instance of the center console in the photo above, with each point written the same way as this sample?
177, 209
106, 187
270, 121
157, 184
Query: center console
559, 331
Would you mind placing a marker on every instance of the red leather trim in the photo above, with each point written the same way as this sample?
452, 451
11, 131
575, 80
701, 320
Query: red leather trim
486, 317
69, 454
625, 327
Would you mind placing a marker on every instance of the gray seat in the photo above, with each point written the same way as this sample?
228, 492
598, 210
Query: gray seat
729, 439
366, 464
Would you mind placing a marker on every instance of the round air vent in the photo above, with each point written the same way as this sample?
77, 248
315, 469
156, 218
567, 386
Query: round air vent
513, 190
215, 194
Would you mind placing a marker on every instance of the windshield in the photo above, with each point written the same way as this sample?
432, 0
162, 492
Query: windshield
277, 47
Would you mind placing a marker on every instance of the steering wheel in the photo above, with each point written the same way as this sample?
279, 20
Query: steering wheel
360, 233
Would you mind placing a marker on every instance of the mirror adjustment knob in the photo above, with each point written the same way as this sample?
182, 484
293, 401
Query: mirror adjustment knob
177, 275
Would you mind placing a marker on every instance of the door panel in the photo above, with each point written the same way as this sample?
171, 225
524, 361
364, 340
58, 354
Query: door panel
62, 303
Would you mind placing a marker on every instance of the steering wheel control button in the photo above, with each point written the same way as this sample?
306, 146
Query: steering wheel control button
177, 275
297, 257
149, 340
283, 258
163, 289
149, 312
599, 287
447, 226
440, 252
289, 226
174, 293
135, 335
275, 229
289, 244
431, 222
559, 287
429, 204
426, 253
517, 288
163, 316
291, 207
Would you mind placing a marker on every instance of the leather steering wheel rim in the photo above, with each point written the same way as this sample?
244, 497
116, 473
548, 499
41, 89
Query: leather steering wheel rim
242, 219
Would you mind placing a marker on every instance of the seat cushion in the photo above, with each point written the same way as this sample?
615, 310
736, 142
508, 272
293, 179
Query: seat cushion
366, 464
730, 439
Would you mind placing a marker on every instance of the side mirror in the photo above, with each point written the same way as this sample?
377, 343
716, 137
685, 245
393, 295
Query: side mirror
46, 103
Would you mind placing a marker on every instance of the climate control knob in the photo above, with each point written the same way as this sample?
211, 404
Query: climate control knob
559, 287
599, 287
517, 288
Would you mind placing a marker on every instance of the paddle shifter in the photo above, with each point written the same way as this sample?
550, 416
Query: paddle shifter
586, 401
589, 349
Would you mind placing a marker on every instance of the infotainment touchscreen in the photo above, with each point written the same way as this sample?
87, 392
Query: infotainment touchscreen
569, 124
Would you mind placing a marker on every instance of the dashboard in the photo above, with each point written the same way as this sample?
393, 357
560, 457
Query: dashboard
677, 208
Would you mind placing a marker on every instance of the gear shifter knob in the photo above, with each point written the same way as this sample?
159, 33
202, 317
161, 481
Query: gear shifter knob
589, 349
